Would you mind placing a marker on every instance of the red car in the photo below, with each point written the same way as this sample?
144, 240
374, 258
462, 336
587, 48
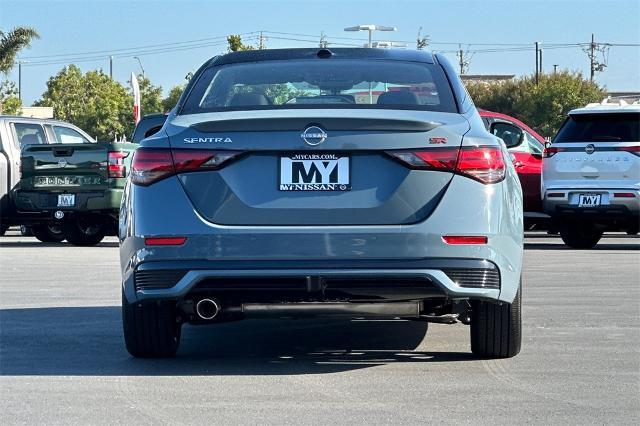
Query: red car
526, 147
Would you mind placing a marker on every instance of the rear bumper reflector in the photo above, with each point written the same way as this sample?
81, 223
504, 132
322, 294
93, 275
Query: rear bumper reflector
623, 195
165, 241
555, 194
464, 239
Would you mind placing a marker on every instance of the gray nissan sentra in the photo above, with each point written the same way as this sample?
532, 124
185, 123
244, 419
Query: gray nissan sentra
355, 183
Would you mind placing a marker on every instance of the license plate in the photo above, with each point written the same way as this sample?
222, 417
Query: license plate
66, 200
589, 200
314, 172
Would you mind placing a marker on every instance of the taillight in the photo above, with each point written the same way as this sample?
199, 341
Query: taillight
624, 195
632, 149
150, 165
482, 163
551, 151
116, 166
433, 159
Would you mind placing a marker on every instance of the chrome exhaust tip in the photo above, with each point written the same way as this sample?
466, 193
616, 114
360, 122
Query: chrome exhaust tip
207, 309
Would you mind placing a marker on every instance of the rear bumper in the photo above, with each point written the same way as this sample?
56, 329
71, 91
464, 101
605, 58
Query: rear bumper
47, 201
388, 280
613, 210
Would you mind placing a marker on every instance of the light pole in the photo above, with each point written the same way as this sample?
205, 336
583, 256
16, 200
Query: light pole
140, 63
371, 29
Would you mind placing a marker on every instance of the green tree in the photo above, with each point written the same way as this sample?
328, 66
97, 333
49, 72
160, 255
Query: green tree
9, 101
172, 98
542, 106
150, 96
93, 101
13, 42
236, 45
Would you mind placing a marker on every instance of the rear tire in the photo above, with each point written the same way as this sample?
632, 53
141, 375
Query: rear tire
151, 329
47, 233
580, 236
496, 328
83, 232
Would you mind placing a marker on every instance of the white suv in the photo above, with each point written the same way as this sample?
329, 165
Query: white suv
591, 173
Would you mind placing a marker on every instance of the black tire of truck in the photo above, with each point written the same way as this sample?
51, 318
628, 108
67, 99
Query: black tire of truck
496, 328
47, 233
151, 329
83, 232
3, 229
580, 236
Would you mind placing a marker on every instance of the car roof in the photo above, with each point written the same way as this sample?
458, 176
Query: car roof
608, 105
38, 120
316, 53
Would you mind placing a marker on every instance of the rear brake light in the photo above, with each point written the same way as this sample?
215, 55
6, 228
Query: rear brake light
165, 241
464, 239
623, 195
482, 163
551, 151
632, 149
150, 165
116, 166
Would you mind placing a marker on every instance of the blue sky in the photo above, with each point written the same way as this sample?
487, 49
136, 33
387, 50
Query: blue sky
69, 27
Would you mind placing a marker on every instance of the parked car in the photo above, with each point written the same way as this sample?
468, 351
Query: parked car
525, 147
68, 181
15, 133
381, 194
591, 173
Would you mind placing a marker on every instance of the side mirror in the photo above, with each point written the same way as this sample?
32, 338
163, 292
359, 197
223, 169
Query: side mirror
512, 135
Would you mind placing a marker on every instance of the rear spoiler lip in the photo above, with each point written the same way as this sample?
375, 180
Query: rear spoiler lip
284, 124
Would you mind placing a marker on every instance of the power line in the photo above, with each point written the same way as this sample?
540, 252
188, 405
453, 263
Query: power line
115, 51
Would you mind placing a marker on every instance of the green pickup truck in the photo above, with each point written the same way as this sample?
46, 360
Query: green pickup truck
76, 185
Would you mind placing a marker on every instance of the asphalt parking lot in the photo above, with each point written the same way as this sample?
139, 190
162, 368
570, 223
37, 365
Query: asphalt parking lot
62, 359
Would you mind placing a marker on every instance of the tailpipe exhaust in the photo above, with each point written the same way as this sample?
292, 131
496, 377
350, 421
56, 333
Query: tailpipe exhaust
207, 309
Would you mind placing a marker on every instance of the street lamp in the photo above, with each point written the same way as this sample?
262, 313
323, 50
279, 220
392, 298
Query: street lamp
371, 29
141, 67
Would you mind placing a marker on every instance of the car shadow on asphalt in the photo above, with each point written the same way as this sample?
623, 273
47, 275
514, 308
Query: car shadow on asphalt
38, 244
600, 247
87, 341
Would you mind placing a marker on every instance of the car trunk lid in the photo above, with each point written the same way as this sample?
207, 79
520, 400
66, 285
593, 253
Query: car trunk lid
341, 174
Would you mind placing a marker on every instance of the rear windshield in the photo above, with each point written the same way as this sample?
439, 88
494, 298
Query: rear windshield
332, 83
601, 127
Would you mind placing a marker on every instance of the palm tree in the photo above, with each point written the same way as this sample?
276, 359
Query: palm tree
11, 43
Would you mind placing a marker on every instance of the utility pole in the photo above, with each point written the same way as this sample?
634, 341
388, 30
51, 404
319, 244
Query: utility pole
20, 80
592, 51
592, 56
261, 45
111, 67
323, 40
540, 52
463, 61
537, 63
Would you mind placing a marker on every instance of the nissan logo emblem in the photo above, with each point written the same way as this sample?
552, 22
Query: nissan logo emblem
589, 149
313, 135
62, 163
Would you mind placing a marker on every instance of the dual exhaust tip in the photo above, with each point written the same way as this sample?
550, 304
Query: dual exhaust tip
207, 309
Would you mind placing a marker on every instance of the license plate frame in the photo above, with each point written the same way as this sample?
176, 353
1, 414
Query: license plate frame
66, 200
589, 200
320, 172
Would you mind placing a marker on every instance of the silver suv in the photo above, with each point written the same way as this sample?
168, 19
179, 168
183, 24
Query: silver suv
306, 182
591, 173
